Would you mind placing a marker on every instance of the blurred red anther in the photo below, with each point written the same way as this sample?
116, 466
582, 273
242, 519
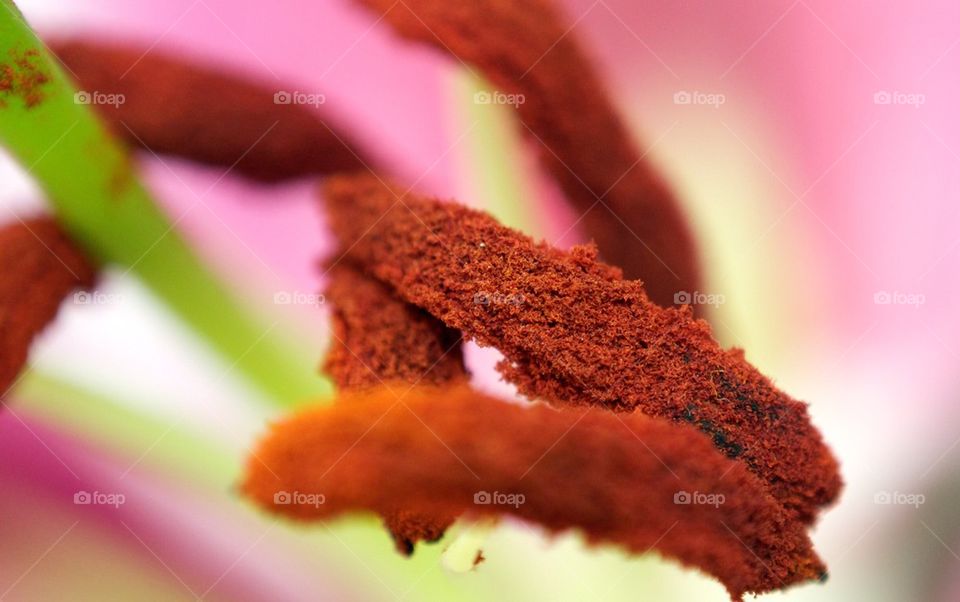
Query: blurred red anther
171, 105
633, 481
527, 49
41, 266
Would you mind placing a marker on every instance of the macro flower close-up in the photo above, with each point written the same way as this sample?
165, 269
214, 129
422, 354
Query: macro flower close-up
373, 300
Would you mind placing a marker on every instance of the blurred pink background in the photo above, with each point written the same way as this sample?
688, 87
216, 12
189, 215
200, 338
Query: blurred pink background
824, 189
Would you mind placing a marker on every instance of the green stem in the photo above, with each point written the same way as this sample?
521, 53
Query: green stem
89, 181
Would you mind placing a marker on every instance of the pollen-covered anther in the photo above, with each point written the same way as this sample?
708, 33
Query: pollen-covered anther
377, 338
633, 481
575, 333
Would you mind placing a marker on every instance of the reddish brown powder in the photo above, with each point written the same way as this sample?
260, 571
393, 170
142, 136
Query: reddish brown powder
40, 267
526, 48
617, 479
171, 105
408, 528
380, 338
24, 76
579, 335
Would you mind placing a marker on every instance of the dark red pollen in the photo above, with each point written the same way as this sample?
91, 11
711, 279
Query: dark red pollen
581, 335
